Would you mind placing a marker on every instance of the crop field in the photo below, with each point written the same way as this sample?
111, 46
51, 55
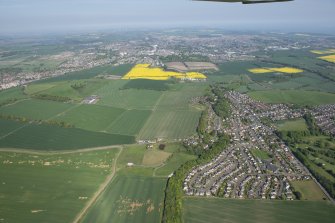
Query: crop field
8, 126
309, 190
285, 70
294, 97
12, 93
200, 210
112, 95
91, 117
42, 137
170, 124
330, 58
144, 71
50, 188
129, 199
292, 125
129, 123
35, 109
147, 85
320, 52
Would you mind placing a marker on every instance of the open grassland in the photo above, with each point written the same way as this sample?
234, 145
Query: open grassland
42, 137
129, 199
170, 124
144, 71
292, 125
113, 95
285, 70
50, 188
91, 117
173, 163
129, 123
207, 210
294, 97
153, 157
309, 190
35, 109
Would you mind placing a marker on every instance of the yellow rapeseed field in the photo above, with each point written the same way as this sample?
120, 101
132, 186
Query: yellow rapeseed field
286, 70
330, 58
320, 52
144, 71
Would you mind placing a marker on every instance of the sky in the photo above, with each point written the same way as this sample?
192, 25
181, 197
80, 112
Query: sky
41, 16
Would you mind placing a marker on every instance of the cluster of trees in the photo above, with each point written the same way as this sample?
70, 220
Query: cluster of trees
221, 106
45, 122
51, 97
78, 86
172, 212
324, 181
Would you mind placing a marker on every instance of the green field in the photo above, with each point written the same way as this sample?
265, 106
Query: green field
129, 123
260, 154
309, 190
43, 137
129, 199
173, 163
35, 109
91, 117
170, 124
292, 125
50, 188
207, 210
8, 126
12, 93
294, 97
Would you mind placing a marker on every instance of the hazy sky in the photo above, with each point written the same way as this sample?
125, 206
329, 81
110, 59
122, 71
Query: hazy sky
92, 15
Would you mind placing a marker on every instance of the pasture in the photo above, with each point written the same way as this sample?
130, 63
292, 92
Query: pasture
212, 210
50, 188
44, 137
129, 199
298, 97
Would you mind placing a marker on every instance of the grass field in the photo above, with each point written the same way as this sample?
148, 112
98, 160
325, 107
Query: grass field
50, 188
35, 109
309, 190
129, 123
292, 125
154, 157
206, 210
173, 163
294, 97
91, 117
260, 154
170, 124
42, 137
129, 199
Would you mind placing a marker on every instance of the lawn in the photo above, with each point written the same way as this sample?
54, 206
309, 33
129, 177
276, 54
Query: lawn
170, 124
43, 137
294, 97
130, 122
207, 210
35, 109
129, 199
292, 125
50, 188
91, 117
309, 190
263, 155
